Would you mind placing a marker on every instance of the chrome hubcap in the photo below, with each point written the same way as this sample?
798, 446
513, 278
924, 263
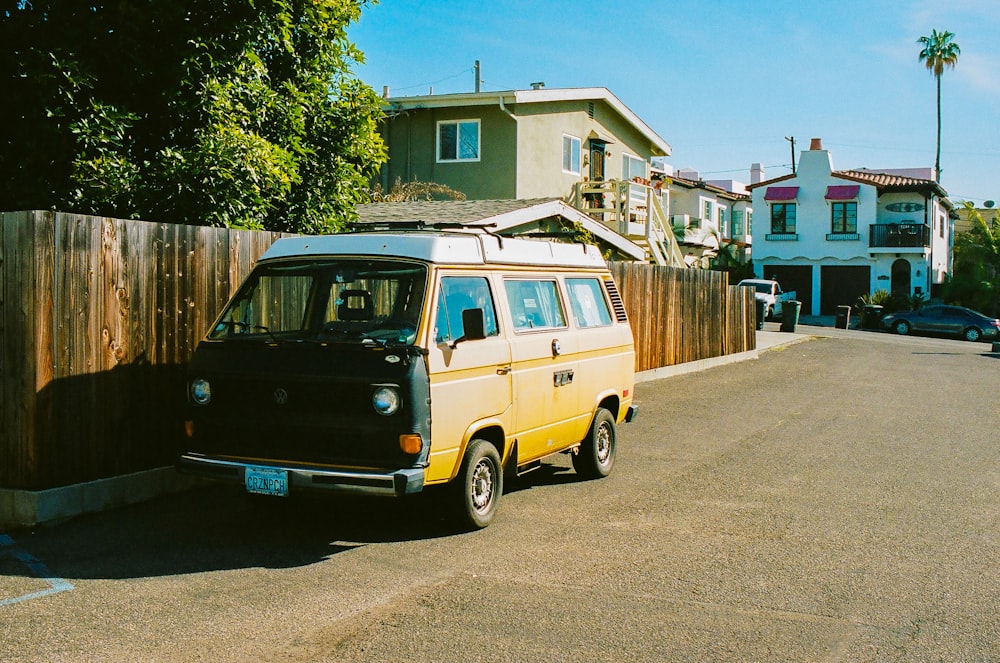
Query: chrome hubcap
482, 486
603, 444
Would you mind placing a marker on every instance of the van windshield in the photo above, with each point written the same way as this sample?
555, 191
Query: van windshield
342, 300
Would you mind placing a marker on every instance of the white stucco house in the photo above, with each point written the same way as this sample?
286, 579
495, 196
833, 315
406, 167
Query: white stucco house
710, 212
833, 236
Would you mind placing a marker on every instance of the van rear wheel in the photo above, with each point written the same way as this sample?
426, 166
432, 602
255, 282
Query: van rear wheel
480, 480
596, 455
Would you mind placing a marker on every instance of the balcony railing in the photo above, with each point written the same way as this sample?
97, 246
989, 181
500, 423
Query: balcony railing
899, 235
633, 210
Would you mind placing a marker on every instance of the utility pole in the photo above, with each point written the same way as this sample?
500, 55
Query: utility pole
791, 139
479, 76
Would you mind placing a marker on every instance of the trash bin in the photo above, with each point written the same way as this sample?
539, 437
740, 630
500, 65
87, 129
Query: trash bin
871, 317
843, 317
790, 315
761, 312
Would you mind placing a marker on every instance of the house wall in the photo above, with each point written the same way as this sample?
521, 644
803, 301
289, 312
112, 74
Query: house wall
541, 127
928, 267
412, 139
521, 147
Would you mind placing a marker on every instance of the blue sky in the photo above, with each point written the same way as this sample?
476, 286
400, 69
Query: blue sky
725, 81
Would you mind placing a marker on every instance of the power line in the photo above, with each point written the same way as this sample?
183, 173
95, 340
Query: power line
742, 170
440, 80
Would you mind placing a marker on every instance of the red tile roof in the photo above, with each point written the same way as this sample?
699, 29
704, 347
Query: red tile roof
882, 181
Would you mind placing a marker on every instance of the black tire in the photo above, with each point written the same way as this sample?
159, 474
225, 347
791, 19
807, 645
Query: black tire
480, 485
596, 455
901, 327
972, 334
769, 314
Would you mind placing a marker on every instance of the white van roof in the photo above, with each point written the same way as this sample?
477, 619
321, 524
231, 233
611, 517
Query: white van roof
441, 247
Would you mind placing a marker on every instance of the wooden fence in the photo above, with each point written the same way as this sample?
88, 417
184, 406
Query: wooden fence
683, 315
98, 317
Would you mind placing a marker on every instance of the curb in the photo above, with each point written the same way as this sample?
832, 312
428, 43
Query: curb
27, 508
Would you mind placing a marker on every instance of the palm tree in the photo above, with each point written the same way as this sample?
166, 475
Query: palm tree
939, 52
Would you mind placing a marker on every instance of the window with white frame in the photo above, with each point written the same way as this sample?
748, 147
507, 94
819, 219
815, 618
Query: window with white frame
737, 223
720, 215
571, 154
633, 167
458, 140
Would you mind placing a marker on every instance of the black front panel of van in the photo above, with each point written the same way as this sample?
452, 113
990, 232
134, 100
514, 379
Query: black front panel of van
309, 403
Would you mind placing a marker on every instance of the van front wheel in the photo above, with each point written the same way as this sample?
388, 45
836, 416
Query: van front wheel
480, 480
596, 455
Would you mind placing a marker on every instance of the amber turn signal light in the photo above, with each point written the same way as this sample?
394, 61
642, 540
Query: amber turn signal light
189, 428
410, 444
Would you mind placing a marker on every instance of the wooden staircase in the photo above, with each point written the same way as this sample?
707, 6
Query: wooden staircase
633, 210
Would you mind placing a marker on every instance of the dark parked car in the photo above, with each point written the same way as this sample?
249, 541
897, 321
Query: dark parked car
945, 320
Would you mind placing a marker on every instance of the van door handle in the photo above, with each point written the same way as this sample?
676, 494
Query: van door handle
503, 370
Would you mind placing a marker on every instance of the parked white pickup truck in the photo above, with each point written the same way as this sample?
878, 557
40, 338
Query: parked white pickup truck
770, 293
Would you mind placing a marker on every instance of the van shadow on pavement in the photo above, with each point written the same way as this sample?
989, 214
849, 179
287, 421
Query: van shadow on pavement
219, 528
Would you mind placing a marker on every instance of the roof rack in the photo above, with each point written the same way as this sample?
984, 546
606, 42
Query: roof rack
416, 224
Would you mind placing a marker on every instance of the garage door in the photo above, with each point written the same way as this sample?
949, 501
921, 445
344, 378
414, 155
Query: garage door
793, 277
841, 286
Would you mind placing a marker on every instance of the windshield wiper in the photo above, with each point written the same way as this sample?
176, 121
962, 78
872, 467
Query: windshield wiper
247, 328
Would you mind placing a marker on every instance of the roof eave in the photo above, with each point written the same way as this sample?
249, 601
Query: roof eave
658, 146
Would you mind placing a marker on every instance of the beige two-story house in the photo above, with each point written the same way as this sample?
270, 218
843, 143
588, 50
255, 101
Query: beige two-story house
519, 144
580, 145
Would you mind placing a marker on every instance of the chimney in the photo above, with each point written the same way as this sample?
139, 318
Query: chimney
385, 91
816, 144
538, 85
756, 173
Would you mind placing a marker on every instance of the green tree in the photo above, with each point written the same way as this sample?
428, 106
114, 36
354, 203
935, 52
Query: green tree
938, 53
975, 278
729, 257
240, 113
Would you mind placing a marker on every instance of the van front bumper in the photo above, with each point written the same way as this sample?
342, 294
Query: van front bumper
395, 483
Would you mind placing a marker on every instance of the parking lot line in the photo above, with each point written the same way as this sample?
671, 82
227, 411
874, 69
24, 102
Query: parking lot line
37, 569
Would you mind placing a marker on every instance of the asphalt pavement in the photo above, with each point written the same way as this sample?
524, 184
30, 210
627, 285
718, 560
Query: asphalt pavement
835, 499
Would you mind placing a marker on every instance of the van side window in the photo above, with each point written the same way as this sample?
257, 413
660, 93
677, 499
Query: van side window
586, 300
534, 304
456, 294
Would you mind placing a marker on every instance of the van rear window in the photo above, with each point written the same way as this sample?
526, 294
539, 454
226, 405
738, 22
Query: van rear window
586, 300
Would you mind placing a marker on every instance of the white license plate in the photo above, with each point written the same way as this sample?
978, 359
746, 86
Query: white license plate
266, 481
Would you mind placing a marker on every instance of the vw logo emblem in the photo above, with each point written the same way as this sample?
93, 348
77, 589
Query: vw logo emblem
280, 396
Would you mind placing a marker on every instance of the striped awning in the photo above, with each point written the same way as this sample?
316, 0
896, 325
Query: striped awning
842, 192
781, 193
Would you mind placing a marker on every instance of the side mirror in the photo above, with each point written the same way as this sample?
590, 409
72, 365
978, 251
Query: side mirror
474, 323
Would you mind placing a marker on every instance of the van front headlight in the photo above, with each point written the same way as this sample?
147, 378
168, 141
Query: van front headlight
385, 400
201, 391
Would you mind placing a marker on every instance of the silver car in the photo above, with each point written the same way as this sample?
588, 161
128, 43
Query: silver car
944, 320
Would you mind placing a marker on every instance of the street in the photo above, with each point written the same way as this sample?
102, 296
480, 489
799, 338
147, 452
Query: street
834, 500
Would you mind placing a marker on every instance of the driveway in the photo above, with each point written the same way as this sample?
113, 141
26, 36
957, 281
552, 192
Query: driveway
834, 500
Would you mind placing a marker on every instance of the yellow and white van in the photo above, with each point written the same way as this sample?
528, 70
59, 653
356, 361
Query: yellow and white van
386, 362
